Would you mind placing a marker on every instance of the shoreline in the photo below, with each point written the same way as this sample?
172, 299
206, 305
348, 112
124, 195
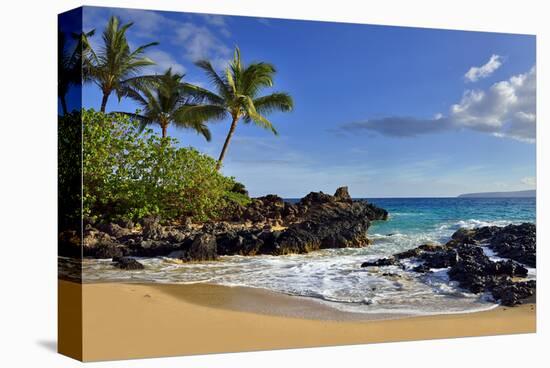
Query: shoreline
144, 320
253, 300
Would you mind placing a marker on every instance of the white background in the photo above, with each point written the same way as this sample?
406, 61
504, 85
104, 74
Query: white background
28, 181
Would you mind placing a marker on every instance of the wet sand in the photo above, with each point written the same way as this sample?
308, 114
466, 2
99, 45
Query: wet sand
145, 320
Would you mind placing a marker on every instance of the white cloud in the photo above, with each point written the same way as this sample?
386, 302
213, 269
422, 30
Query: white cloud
217, 21
195, 39
507, 110
529, 180
163, 61
200, 42
479, 72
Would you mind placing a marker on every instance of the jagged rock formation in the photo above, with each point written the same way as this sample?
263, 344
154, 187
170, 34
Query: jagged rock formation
268, 225
472, 268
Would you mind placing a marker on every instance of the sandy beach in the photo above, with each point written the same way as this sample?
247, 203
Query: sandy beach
143, 320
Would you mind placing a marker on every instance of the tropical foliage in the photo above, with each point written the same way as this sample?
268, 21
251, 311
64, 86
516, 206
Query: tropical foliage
115, 66
237, 96
69, 186
70, 63
130, 174
164, 103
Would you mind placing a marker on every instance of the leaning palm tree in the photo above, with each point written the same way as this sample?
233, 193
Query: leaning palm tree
237, 95
164, 103
70, 64
115, 66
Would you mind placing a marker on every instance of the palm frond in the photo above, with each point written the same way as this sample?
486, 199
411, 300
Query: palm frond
219, 83
257, 76
132, 86
199, 95
141, 49
199, 114
200, 128
278, 101
252, 115
115, 64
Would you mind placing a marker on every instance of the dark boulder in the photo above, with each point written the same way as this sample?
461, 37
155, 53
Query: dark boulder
517, 242
380, 262
297, 239
203, 248
244, 243
415, 252
513, 293
440, 259
127, 263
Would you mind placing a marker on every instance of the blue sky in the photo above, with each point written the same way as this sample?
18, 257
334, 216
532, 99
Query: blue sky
388, 111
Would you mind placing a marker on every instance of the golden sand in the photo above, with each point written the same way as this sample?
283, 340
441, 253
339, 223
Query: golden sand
146, 320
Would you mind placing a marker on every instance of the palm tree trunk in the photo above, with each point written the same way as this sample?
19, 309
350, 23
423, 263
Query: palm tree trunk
164, 126
104, 101
226, 143
63, 105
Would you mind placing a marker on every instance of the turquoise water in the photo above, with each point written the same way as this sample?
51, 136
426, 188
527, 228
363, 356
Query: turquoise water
439, 217
334, 276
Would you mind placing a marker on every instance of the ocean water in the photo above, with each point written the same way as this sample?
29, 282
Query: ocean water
334, 276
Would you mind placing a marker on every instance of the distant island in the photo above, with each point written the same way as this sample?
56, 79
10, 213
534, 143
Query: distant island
515, 194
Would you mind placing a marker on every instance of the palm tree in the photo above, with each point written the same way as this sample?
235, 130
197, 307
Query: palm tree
70, 65
237, 95
164, 102
115, 67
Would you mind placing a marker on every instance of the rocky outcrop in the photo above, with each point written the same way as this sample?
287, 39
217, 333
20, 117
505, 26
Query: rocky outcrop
517, 243
273, 210
328, 222
472, 269
268, 225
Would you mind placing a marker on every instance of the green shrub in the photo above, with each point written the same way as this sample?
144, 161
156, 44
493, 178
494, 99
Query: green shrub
131, 174
69, 170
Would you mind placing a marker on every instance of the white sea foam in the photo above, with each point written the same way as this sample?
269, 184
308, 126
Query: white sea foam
332, 277
473, 223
